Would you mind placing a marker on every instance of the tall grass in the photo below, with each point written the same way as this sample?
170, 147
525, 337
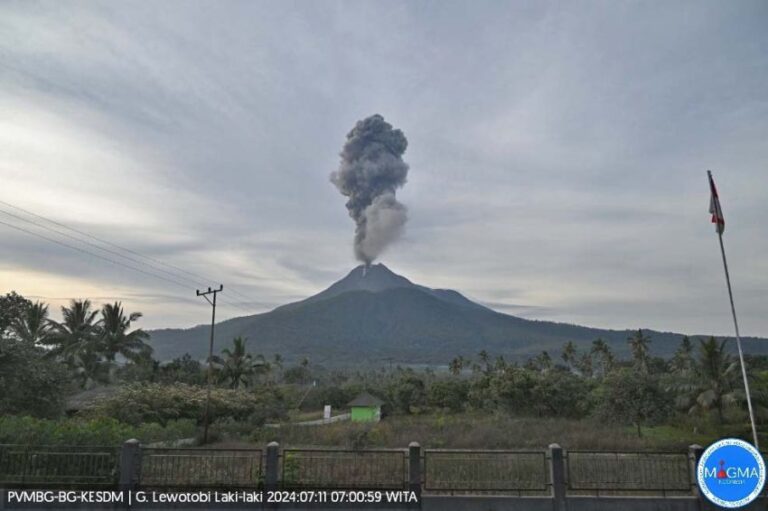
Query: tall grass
490, 431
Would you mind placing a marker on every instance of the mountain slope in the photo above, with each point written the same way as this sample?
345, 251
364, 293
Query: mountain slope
365, 318
377, 277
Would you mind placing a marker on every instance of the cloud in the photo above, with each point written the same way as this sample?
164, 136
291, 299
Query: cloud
556, 151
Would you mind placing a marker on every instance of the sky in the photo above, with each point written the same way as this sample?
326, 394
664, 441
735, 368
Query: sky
557, 150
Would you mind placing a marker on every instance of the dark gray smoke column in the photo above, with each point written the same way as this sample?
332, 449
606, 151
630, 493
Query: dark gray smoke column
371, 170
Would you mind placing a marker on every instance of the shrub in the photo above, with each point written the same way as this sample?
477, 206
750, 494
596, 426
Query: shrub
634, 398
451, 394
136, 404
100, 431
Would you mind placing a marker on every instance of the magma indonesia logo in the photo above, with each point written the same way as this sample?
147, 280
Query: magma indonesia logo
731, 473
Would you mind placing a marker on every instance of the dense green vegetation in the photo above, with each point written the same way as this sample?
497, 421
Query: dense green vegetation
584, 398
102, 431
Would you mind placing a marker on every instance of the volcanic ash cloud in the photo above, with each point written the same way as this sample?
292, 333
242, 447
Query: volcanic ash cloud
370, 172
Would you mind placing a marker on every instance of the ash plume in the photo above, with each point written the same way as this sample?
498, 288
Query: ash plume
370, 172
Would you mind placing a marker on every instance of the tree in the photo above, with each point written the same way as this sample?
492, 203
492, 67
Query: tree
560, 393
513, 390
451, 394
236, 366
682, 362
714, 382
569, 354
76, 341
631, 397
277, 363
408, 392
485, 360
116, 339
12, 305
585, 365
639, 344
261, 368
31, 383
297, 374
32, 324
144, 369
184, 369
541, 362
456, 365
602, 352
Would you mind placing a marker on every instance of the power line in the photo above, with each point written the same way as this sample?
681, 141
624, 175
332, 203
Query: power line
226, 303
91, 244
58, 242
248, 298
110, 260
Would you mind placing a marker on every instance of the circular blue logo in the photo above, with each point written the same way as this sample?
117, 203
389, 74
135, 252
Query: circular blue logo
731, 473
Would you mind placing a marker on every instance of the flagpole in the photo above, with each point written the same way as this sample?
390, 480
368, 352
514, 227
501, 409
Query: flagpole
738, 341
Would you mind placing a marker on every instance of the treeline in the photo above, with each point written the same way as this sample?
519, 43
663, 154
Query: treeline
41, 361
700, 384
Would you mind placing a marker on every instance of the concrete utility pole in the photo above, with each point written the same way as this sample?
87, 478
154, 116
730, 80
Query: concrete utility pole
205, 294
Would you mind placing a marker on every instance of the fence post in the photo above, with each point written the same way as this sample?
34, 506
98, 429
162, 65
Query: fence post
271, 467
557, 475
414, 468
130, 464
694, 455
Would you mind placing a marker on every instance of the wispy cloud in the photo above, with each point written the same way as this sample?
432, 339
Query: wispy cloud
557, 151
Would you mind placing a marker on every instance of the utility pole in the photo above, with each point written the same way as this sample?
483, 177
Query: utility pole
205, 294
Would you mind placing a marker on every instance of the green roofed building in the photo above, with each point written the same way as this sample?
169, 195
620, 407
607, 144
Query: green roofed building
365, 408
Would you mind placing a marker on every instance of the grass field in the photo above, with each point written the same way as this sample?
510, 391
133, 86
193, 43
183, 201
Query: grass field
473, 431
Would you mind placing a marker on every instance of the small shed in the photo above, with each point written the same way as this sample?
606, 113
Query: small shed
365, 408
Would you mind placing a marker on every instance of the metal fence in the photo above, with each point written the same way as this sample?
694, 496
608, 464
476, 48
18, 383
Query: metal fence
201, 468
63, 466
435, 471
464, 470
337, 468
628, 471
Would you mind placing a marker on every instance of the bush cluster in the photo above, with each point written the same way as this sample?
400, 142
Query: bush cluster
140, 403
101, 431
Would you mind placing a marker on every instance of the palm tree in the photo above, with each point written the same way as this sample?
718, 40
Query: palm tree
716, 378
585, 365
569, 354
236, 365
485, 359
639, 344
261, 367
456, 365
601, 349
76, 341
116, 339
543, 362
32, 325
683, 363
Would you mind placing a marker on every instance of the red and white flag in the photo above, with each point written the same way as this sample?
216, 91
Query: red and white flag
714, 207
